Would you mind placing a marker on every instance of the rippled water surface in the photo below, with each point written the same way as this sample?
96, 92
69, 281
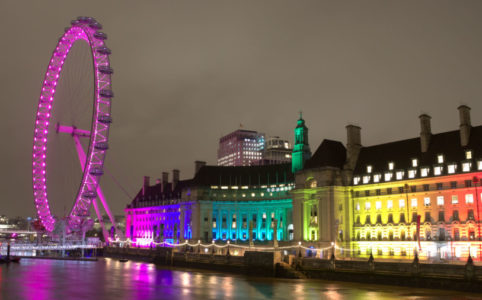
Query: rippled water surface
110, 279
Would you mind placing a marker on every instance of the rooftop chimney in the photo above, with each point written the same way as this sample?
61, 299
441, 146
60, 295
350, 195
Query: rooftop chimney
425, 132
353, 145
145, 185
175, 178
165, 179
198, 165
464, 113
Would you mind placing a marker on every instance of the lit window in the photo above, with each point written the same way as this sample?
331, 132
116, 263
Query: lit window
388, 176
401, 203
414, 202
412, 173
437, 170
376, 177
440, 200
468, 154
358, 206
399, 175
424, 172
466, 166
414, 163
378, 205
451, 168
391, 165
389, 204
368, 205
469, 198
440, 159
356, 180
455, 199
479, 165
426, 201
369, 169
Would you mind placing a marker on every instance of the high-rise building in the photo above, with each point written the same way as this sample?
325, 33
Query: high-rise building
241, 148
277, 151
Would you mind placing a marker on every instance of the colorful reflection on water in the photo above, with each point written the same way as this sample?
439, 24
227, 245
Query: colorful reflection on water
41, 279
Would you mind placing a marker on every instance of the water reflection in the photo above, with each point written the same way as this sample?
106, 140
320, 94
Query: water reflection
111, 279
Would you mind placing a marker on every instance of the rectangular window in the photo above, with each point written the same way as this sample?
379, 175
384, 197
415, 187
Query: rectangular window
389, 191
428, 217
426, 201
466, 166
368, 205
469, 198
391, 165
376, 177
378, 192
441, 216
451, 168
378, 205
389, 204
369, 169
399, 175
424, 172
455, 216
468, 183
412, 173
356, 180
439, 185
440, 159
401, 189
367, 193
413, 188
437, 170
470, 214
358, 206
455, 199
388, 176
479, 165
468, 154
401, 203
440, 200
453, 184
426, 187
366, 179
414, 202
357, 193
414, 163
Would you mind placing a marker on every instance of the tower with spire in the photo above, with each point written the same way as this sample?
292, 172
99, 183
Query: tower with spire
301, 149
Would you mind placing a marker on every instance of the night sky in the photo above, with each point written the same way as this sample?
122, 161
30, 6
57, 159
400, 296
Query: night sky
188, 72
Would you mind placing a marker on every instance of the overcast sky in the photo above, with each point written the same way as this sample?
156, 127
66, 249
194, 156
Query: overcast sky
188, 72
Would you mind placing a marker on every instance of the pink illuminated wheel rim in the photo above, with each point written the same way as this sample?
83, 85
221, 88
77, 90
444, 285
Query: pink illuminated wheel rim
84, 29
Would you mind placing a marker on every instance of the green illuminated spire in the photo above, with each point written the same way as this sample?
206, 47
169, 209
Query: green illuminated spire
301, 149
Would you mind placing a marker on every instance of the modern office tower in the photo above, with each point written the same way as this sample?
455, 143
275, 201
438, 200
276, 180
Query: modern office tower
241, 148
277, 151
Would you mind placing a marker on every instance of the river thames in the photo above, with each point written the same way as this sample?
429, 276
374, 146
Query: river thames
43, 279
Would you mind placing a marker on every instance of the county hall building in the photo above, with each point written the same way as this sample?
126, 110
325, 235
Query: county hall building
390, 200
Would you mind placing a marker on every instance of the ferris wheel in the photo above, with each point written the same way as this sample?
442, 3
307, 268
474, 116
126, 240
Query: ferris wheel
84, 30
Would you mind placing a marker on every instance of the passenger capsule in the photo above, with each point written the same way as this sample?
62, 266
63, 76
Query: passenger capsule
105, 119
106, 70
106, 93
89, 194
104, 50
101, 146
95, 25
100, 35
96, 171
